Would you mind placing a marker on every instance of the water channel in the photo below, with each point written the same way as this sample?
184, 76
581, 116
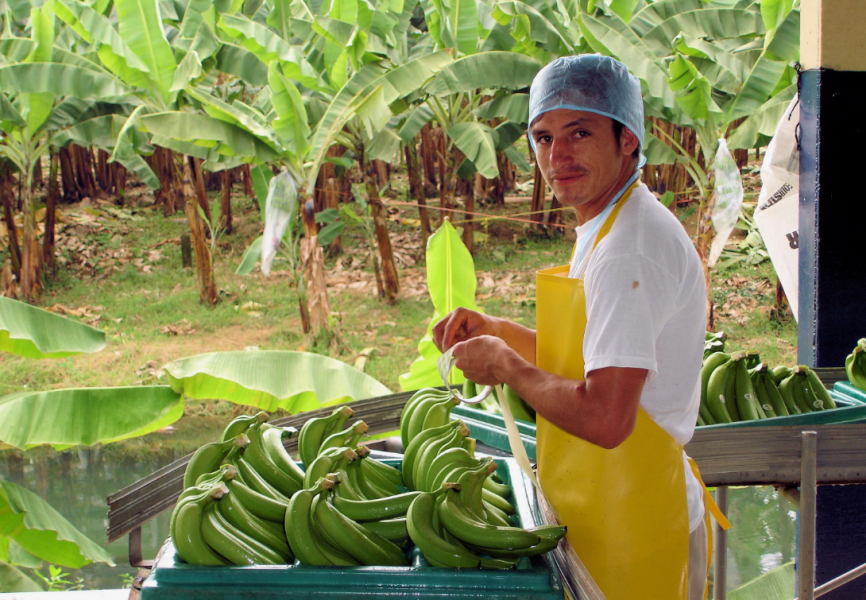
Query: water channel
77, 481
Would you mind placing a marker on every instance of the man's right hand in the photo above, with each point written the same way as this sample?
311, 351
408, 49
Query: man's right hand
460, 325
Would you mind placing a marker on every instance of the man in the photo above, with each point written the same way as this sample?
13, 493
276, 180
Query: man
613, 368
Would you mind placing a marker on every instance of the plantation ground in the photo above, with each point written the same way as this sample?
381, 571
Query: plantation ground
120, 270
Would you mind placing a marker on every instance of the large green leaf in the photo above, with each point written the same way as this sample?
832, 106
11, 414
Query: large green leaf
711, 23
477, 142
513, 107
759, 84
773, 12
293, 381
250, 257
693, 90
39, 529
39, 106
503, 70
15, 580
451, 283
186, 126
291, 122
777, 584
238, 114
786, 39
88, 416
544, 25
35, 333
419, 117
141, 29
59, 79
243, 64
763, 122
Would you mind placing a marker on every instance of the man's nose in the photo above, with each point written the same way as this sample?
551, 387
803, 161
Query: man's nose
560, 153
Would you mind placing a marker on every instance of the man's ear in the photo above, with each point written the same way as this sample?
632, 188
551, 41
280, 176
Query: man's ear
628, 141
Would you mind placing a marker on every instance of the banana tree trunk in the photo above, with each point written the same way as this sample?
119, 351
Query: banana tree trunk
467, 189
249, 192
428, 159
9, 216
120, 174
67, 176
30, 285
50, 214
417, 189
203, 259
226, 201
313, 263
539, 191
703, 241
102, 171
37, 174
84, 170
200, 189
390, 281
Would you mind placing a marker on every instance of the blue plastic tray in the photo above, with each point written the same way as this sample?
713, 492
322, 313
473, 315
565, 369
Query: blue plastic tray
534, 578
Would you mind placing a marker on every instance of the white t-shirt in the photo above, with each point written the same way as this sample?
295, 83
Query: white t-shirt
646, 309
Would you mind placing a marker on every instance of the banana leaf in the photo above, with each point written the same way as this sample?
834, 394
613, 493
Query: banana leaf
140, 27
14, 580
451, 283
35, 333
503, 70
69, 417
33, 524
763, 122
778, 584
294, 381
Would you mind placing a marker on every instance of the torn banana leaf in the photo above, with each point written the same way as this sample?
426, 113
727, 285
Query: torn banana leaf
35, 333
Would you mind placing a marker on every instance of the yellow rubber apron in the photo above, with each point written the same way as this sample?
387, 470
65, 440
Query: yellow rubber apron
625, 508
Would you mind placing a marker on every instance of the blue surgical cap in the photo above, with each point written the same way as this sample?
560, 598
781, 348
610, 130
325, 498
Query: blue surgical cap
589, 82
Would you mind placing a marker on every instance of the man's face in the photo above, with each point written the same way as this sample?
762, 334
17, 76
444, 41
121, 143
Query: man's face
578, 154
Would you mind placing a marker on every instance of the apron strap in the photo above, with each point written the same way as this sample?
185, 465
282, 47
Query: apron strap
709, 502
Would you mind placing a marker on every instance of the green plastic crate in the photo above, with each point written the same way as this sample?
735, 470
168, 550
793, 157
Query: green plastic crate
849, 392
534, 578
489, 429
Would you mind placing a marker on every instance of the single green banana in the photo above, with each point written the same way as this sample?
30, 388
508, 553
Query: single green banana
256, 482
717, 402
369, 548
237, 547
394, 476
299, 530
731, 390
501, 489
186, 526
778, 374
497, 501
261, 461
209, 457
261, 506
433, 449
775, 397
412, 404
424, 533
809, 397
747, 403
786, 390
375, 510
240, 424
393, 530
545, 545
329, 461
440, 413
710, 364
821, 392
462, 524
470, 390
371, 473
762, 395
257, 529
314, 432
704, 415
419, 442
495, 516
346, 438
272, 442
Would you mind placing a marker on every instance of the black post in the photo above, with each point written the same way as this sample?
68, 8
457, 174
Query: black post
832, 306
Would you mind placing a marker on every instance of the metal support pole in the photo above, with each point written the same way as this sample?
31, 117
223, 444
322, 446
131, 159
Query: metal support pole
808, 502
720, 549
842, 579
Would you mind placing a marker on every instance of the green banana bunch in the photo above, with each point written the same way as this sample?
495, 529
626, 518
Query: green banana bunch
714, 342
348, 437
429, 451
768, 393
719, 399
252, 479
232, 543
804, 392
272, 443
747, 402
710, 364
303, 537
240, 424
315, 431
186, 528
346, 535
383, 476
426, 409
855, 365
209, 457
426, 533
208, 481
259, 505
419, 443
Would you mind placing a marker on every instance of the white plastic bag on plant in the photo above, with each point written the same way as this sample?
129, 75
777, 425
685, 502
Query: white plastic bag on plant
729, 198
280, 210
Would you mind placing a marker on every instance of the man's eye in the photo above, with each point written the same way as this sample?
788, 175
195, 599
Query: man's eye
542, 139
581, 134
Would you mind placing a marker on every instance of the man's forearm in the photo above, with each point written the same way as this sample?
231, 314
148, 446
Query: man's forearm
602, 411
519, 338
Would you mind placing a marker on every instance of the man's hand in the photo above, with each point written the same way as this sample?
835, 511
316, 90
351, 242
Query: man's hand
481, 359
460, 325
